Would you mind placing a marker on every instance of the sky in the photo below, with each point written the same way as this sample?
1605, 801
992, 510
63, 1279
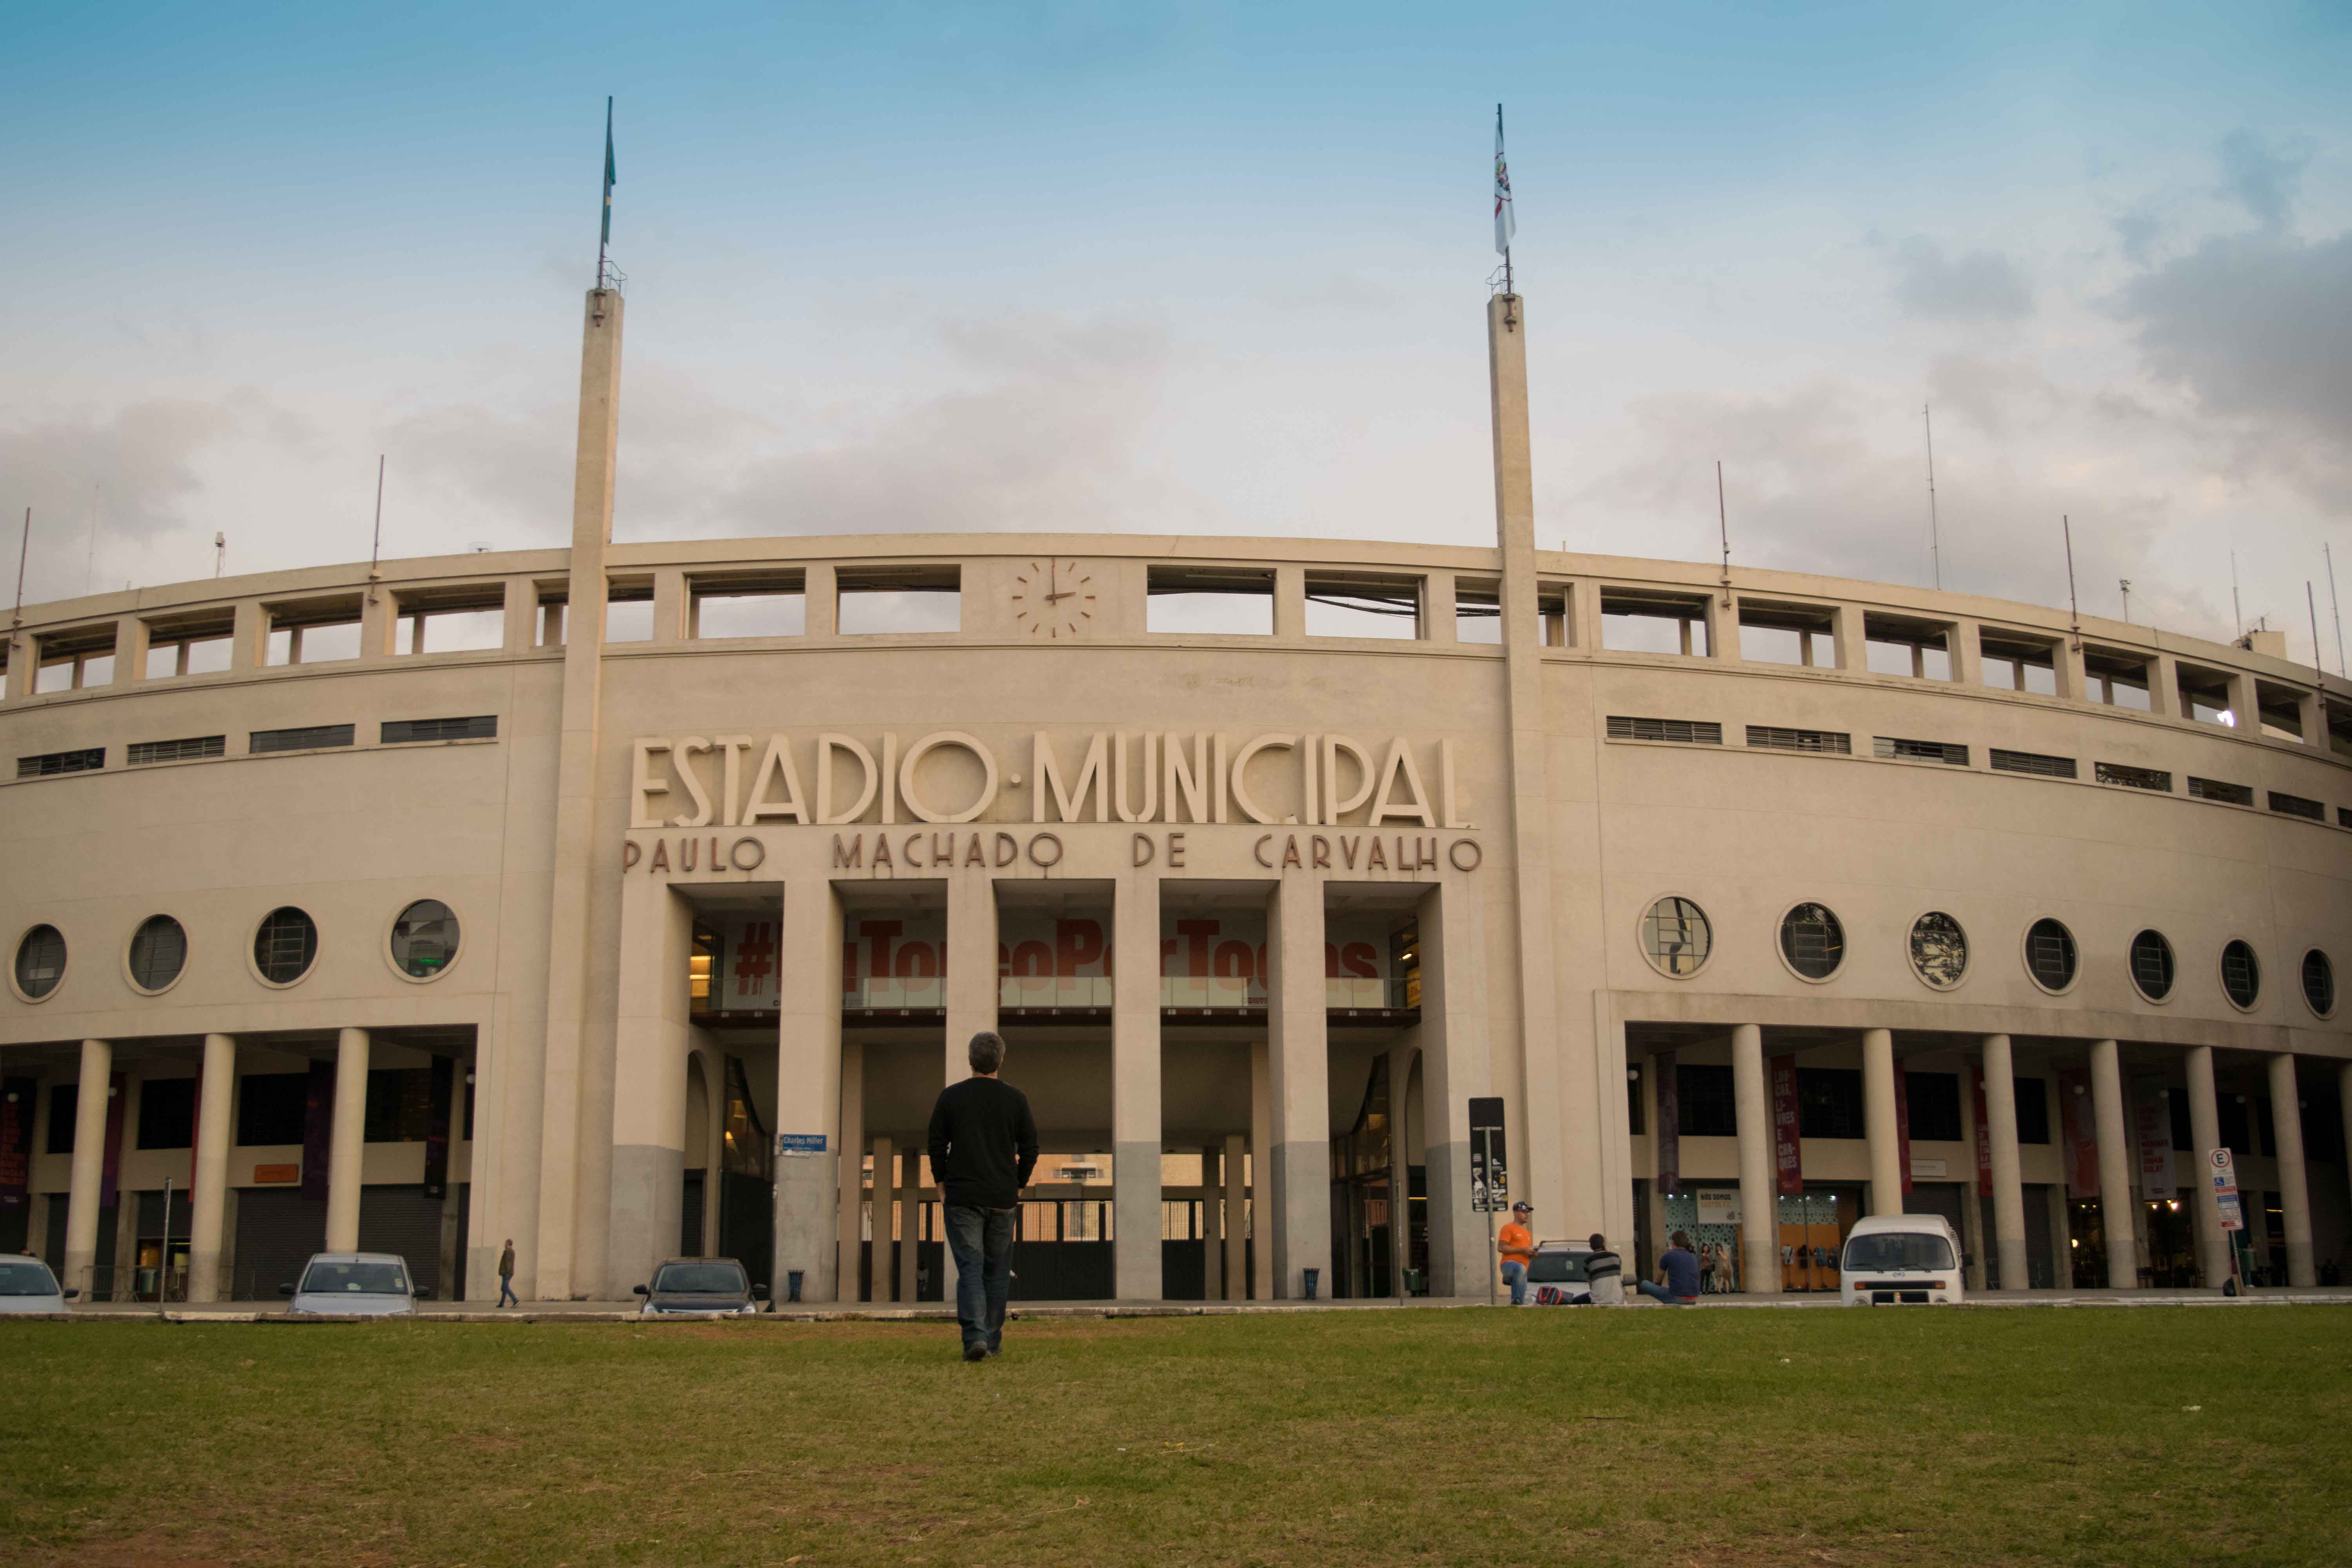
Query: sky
1209, 270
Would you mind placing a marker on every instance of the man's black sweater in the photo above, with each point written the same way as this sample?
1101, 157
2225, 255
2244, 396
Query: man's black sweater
983, 1144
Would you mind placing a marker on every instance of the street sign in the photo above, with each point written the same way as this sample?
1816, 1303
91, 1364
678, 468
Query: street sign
2222, 1167
800, 1143
1490, 1180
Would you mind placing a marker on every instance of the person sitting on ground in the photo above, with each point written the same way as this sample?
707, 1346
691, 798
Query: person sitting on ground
1677, 1283
1604, 1274
1517, 1246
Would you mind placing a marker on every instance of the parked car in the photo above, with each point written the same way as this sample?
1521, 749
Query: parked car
1900, 1259
1556, 1274
27, 1286
700, 1287
352, 1285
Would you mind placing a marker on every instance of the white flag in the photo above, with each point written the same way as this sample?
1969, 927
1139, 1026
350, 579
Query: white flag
1507, 222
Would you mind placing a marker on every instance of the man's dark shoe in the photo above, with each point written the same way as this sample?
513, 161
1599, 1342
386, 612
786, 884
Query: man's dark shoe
996, 1350
975, 1352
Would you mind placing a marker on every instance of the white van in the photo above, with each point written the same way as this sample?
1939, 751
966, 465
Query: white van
1894, 1259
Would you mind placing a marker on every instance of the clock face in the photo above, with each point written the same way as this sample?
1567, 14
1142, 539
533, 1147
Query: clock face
1052, 600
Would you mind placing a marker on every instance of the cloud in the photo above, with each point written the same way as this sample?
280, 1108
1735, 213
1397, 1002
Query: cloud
1982, 286
2262, 178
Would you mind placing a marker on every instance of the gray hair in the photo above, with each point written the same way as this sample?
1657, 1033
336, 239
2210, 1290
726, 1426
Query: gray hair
987, 1051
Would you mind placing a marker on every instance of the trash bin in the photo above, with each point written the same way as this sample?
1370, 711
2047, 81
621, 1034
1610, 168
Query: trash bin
1313, 1274
1412, 1285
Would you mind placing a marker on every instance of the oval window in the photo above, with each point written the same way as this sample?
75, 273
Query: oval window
2242, 974
1812, 940
1676, 937
2319, 982
40, 961
2050, 954
424, 939
2151, 965
1939, 950
285, 945
159, 951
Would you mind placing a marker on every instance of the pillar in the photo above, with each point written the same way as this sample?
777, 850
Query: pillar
1400, 1168
2008, 1184
1135, 1087
89, 1165
1454, 1068
2205, 1133
1261, 1161
852, 1174
350, 1133
2118, 1203
2344, 1106
1213, 1251
1878, 1121
808, 1091
459, 1092
1298, 1052
1236, 1225
886, 1200
652, 1039
208, 1200
910, 1232
2295, 1186
972, 999
1759, 1207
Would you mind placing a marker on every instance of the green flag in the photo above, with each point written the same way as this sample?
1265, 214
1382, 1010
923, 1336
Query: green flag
611, 175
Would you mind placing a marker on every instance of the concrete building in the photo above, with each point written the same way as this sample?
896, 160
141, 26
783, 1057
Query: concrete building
636, 899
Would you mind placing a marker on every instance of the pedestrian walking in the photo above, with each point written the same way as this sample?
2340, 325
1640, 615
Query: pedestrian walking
1604, 1274
507, 1298
1516, 1243
984, 1146
1677, 1283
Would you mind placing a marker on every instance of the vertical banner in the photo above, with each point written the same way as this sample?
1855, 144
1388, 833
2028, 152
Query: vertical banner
1903, 1123
1490, 1182
2156, 1181
1667, 1137
436, 1127
15, 1142
318, 1127
2076, 1124
1787, 1152
107, 1195
2222, 1168
1984, 1136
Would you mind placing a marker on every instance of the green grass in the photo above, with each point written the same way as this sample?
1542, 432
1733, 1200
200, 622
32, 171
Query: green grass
1711, 1436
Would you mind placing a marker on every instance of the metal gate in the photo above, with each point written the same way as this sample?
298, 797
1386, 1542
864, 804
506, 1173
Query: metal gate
278, 1229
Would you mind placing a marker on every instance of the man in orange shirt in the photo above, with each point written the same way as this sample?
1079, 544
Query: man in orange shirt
1516, 1244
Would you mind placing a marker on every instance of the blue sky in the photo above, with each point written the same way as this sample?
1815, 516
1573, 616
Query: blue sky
1210, 271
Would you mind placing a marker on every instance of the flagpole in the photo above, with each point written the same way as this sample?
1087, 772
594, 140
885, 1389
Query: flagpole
1498, 152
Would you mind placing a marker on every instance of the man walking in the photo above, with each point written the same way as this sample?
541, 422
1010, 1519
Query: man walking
506, 1277
984, 1146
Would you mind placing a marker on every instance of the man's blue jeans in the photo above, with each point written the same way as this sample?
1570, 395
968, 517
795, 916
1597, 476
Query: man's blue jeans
980, 1240
506, 1290
1660, 1293
1515, 1275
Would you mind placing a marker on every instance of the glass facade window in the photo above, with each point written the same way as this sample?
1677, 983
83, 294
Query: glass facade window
2242, 974
159, 951
40, 961
1939, 950
2050, 954
2319, 982
284, 945
1676, 937
424, 939
1812, 940
2151, 965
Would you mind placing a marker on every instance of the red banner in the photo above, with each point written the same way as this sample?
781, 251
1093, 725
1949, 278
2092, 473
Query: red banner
1903, 1125
1984, 1137
2079, 1127
16, 1142
1787, 1152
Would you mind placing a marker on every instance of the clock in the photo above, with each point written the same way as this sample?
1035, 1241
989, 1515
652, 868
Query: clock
1052, 600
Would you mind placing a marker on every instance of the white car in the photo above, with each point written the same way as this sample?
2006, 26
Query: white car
1900, 1259
352, 1285
27, 1286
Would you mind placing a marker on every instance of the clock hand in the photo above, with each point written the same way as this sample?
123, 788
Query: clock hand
1069, 594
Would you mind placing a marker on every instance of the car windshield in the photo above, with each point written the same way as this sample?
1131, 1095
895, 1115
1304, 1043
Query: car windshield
26, 1276
700, 1279
1897, 1250
1556, 1268
355, 1279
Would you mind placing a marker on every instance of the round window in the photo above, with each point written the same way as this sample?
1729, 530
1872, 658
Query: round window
40, 961
2151, 965
424, 939
1939, 950
2319, 982
2242, 974
2050, 955
1812, 940
1676, 937
285, 945
159, 951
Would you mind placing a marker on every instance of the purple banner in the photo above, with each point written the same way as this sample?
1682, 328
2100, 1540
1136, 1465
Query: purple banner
1903, 1123
318, 1128
1787, 1152
1668, 1139
436, 1128
113, 1161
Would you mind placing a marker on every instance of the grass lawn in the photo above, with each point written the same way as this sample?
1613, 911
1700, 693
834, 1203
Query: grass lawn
1480, 1435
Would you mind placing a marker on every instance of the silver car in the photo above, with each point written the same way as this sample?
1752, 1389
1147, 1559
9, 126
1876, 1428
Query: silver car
352, 1285
27, 1286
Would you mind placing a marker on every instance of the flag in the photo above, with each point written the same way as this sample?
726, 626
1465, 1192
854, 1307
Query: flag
611, 175
1507, 222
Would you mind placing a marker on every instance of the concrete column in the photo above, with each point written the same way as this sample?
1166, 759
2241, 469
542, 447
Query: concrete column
1261, 1165
1213, 1251
459, 1090
2118, 1203
2295, 1186
852, 1175
972, 999
2008, 1185
1878, 1121
1400, 1168
1290, 601
1964, 647
1135, 1087
350, 1134
88, 1164
216, 1098
886, 1200
808, 1089
1236, 1225
1455, 1066
910, 1231
2344, 1105
1846, 630
651, 1044
1759, 1207
2164, 687
2205, 1133
1299, 1053
714, 1173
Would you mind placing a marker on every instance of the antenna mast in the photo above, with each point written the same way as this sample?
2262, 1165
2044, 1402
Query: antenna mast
1935, 543
375, 550
2237, 614
22, 548
2124, 583
89, 573
2333, 607
2073, 608
1723, 527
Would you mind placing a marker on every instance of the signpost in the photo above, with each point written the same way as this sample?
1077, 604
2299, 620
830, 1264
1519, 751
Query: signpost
800, 1145
2221, 1171
1490, 1179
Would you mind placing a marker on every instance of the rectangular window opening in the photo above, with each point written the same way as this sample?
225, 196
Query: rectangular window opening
764, 605
193, 644
468, 618
877, 600
1214, 601
2214, 789
2205, 695
141, 752
2295, 806
629, 610
1690, 732
2156, 779
548, 601
1895, 645
1894, 748
1478, 612
1634, 620
311, 631
2281, 710
2118, 679
51, 762
406, 731
70, 661
1773, 738
308, 737
1363, 604
2034, 762
2018, 663
1802, 634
